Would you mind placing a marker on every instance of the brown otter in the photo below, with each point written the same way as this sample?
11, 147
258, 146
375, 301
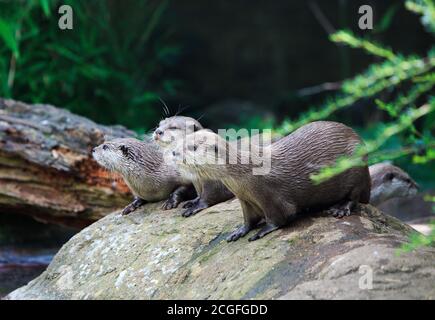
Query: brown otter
210, 192
141, 165
278, 194
389, 181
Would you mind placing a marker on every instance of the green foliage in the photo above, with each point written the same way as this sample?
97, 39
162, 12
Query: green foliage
387, 18
404, 122
417, 239
410, 81
378, 78
354, 42
109, 67
426, 8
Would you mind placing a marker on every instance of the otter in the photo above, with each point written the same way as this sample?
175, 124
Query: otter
141, 165
287, 188
210, 192
389, 181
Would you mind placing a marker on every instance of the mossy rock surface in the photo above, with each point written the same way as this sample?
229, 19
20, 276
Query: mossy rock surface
155, 254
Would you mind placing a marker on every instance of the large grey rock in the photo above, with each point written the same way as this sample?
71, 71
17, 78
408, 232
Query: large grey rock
154, 254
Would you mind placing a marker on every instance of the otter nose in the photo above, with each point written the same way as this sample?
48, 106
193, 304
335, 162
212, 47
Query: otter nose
93, 150
159, 132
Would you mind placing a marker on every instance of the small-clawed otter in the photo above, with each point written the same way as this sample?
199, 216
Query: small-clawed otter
389, 181
210, 192
286, 189
141, 165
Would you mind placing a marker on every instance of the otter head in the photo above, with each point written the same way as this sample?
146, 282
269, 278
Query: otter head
174, 129
389, 181
115, 155
202, 153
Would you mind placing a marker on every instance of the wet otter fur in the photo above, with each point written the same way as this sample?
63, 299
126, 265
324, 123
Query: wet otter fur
141, 165
287, 188
210, 192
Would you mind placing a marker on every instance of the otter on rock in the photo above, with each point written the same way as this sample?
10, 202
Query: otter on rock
389, 181
287, 188
141, 165
210, 192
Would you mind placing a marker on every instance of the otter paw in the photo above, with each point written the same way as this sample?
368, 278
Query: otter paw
346, 212
339, 212
190, 203
238, 233
194, 209
133, 206
128, 209
189, 212
268, 228
170, 204
331, 211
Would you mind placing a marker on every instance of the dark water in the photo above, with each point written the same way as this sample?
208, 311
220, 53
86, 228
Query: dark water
20, 265
26, 249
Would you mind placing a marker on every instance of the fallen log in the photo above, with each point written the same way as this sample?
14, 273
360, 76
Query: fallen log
46, 168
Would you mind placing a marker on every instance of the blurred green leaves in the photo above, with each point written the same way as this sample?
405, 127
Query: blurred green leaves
111, 67
408, 82
387, 18
405, 121
351, 40
45, 5
425, 8
7, 33
416, 239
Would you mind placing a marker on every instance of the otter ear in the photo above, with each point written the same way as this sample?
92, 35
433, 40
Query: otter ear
124, 150
388, 177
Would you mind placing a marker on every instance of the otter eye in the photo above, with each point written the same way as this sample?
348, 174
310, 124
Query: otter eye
105, 147
389, 176
173, 128
195, 147
124, 150
216, 150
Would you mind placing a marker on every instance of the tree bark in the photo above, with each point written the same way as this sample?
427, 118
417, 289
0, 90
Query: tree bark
46, 166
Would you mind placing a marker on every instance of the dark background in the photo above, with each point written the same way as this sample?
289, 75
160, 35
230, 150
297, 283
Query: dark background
233, 63
261, 53
239, 63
